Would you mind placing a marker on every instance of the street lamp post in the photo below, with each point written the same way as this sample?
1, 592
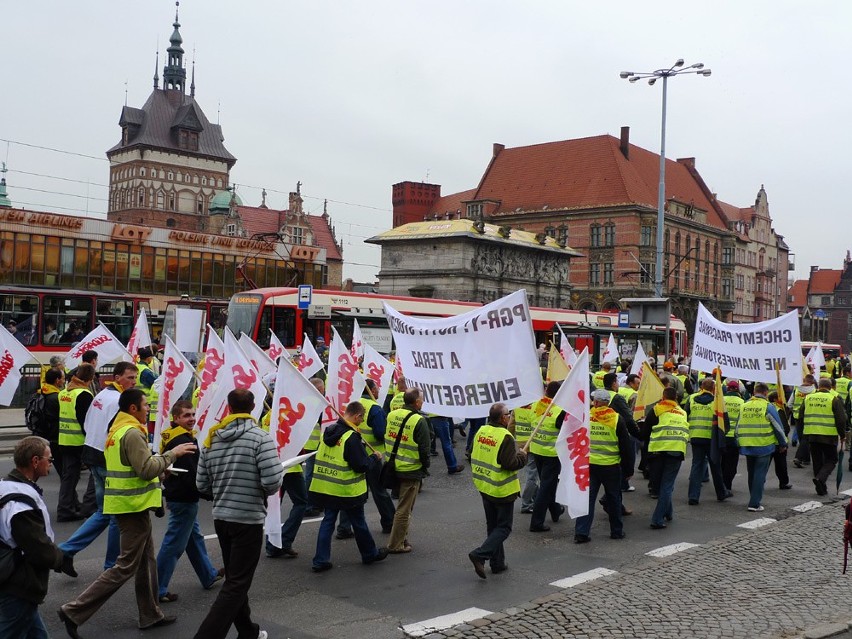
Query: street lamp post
676, 69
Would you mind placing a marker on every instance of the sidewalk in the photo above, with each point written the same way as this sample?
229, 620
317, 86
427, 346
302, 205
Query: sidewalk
12, 417
780, 580
12, 429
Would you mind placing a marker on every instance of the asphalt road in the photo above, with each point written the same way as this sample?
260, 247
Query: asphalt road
436, 579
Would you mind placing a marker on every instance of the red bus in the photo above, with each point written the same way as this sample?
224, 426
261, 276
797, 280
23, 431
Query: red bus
255, 312
48, 321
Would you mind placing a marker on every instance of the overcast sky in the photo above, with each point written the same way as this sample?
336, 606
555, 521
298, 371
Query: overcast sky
352, 97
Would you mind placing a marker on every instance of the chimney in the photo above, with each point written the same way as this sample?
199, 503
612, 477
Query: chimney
496, 148
814, 269
625, 142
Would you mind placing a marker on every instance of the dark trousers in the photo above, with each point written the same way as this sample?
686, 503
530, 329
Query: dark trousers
731, 460
824, 458
69, 502
780, 461
240, 544
610, 478
548, 476
498, 523
665, 469
700, 461
381, 497
803, 451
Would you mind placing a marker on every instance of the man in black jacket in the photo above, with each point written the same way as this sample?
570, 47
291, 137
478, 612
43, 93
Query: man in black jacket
339, 485
28, 529
181, 495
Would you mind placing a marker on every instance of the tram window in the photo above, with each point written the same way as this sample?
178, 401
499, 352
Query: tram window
265, 325
71, 317
284, 327
117, 316
18, 314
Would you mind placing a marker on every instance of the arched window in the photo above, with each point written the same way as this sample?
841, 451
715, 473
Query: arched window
140, 193
161, 199
170, 222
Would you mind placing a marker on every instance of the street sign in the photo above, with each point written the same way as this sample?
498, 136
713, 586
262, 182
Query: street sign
319, 311
305, 295
819, 313
623, 319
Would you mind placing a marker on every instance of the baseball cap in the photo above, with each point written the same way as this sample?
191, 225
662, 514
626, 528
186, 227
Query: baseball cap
733, 384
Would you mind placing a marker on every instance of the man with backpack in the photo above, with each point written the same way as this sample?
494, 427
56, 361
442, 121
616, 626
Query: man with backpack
25, 530
42, 412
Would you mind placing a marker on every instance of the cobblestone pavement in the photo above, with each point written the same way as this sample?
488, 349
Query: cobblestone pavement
782, 580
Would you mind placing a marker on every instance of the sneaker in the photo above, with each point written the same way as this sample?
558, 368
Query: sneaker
455, 469
785, 486
262, 634
381, 555
756, 509
693, 502
629, 489
797, 463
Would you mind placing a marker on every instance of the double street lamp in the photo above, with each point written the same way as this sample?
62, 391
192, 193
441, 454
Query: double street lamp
652, 76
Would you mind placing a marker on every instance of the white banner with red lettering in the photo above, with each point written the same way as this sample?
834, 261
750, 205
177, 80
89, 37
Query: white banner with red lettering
104, 342
380, 370
237, 372
141, 336
466, 363
610, 353
174, 379
344, 383
572, 446
638, 359
214, 360
296, 407
259, 359
308, 361
13, 355
276, 348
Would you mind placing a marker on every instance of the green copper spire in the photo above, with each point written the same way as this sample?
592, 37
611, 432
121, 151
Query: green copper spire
5, 202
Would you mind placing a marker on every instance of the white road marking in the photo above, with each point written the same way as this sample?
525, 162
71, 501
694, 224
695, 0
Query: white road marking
808, 505
422, 628
846, 492
583, 577
666, 551
213, 536
757, 523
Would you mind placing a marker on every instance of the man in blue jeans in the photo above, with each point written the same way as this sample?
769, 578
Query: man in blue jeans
758, 432
181, 495
102, 411
339, 485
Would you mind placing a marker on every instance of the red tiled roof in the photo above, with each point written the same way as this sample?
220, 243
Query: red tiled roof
797, 295
451, 203
824, 281
259, 220
586, 173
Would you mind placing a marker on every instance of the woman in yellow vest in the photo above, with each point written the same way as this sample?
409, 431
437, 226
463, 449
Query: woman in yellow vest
609, 445
339, 484
495, 462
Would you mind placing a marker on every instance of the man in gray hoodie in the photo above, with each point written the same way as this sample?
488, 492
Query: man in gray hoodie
239, 464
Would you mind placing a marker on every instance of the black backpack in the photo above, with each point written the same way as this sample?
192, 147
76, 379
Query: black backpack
34, 414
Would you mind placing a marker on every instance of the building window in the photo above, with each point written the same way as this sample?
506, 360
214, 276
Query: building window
297, 235
608, 280
562, 236
141, 195
474, 210
231, 229
647, 273
171, 176
609, 235
204, 180
645, 238
727, 255
171, 201
686, 279
594, 274
841, 301
595, 239
726, 288
826, 300
740, 281
170, 223
142, 172
199, 204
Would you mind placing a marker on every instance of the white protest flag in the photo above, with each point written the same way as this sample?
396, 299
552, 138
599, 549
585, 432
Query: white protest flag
638, 359
380, 370
214, 359
259, 359
572, 445
809, 358
296, 407
104, 342
566, 350
176, 375
466, 363
276, 348
140, 336
818, 358
610, 353
749, 351
236, 372
308, 362
344, 383
13, 355
357, 347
